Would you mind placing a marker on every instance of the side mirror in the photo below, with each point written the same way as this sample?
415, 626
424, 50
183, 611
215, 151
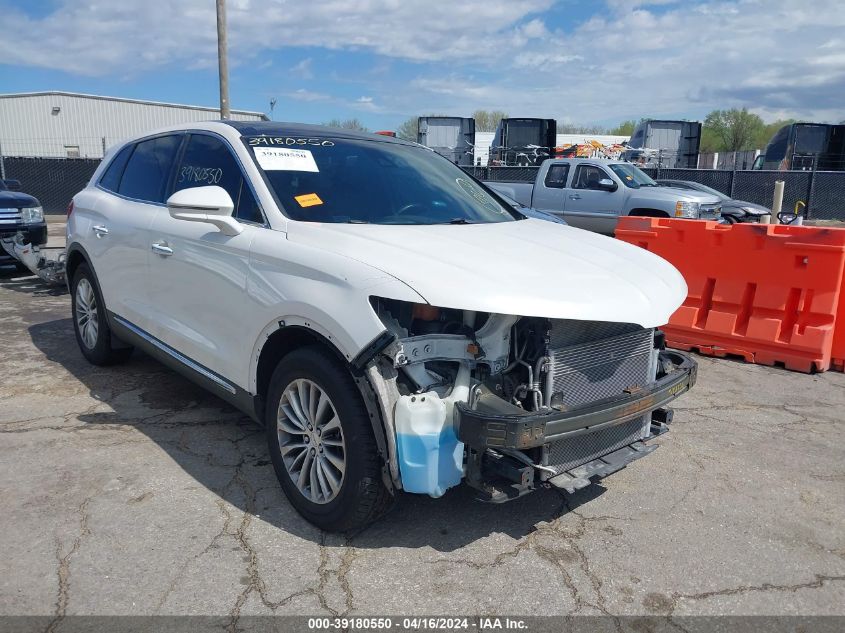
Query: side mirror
12, 185
606, 184
212, 205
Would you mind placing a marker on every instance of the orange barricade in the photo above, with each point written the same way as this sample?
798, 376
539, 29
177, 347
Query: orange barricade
768, 293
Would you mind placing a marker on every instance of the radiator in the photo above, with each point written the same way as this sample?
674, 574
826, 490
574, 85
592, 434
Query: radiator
592, 360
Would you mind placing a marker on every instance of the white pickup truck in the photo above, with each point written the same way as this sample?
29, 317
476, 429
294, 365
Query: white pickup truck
591, 194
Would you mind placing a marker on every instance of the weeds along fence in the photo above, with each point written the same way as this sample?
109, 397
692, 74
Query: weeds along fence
823, 192
54, 181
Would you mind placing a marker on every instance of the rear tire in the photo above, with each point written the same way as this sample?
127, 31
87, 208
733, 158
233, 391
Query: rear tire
321, 442
90, 323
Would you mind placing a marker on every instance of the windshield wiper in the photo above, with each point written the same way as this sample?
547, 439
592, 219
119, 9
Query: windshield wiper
457, 221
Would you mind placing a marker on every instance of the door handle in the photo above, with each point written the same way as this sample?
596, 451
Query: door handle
575, 196
100, 230
161, 248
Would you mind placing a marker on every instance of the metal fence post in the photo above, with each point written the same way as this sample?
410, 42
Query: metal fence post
104, 147
733, 179
2, 165
808, 210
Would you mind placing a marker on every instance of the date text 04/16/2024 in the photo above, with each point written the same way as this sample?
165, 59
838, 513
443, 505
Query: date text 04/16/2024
417, 623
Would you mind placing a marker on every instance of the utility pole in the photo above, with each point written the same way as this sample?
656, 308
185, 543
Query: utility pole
222, 59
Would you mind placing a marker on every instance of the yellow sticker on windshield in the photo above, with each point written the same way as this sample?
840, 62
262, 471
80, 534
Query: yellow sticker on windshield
308, 199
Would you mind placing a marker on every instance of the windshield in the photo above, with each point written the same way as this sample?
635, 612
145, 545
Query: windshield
362, 181
632, 176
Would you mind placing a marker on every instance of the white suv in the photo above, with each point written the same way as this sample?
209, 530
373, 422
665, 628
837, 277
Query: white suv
392, 322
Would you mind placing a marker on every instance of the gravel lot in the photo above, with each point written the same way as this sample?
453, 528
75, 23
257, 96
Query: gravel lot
128, 490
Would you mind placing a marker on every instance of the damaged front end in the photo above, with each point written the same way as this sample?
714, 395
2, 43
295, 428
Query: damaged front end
511, 403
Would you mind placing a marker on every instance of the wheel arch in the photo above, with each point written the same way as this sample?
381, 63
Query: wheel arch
77, 255
287, 337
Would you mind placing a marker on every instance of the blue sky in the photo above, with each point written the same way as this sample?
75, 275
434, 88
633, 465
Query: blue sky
382, 61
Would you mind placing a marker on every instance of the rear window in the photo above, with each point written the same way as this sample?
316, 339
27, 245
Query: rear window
148, 170
810, 139
361, 181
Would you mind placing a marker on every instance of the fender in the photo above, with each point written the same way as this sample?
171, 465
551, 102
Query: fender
337, 341
376, 410
71, 250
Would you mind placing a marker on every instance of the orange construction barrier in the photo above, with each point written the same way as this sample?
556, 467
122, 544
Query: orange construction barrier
772, 294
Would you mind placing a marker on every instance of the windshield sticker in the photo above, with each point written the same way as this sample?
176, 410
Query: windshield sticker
278, 159
287, 141
308, 200
478, 194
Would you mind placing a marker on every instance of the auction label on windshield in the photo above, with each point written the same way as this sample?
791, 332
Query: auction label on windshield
285, 159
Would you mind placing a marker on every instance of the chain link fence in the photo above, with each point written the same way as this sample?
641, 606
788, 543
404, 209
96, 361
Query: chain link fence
503, 174
54, 181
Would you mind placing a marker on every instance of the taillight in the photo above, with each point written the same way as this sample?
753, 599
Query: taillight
70, 208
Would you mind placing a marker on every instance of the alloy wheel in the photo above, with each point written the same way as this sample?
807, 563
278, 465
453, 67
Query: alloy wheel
311, 440
86, 313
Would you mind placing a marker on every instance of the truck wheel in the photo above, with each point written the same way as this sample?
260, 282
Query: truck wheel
321, 442
89, 321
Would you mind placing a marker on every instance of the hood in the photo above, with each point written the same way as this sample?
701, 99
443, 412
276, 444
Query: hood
752, 207
16, 200
671, 193
526, 268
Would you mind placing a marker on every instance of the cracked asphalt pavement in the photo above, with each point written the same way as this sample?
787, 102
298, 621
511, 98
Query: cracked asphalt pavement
128, 490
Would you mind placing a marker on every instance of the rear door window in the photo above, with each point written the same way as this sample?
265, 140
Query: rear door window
556, 176
207, 161
111, 178
148, 169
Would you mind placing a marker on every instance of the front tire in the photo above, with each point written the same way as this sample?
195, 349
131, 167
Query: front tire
90, 324
321, 442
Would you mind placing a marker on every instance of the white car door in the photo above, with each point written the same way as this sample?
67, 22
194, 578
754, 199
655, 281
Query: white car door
587, 205
198, 275
131, 193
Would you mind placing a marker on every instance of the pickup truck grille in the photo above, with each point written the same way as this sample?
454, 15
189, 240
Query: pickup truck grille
592, 360
10, 216
710, 211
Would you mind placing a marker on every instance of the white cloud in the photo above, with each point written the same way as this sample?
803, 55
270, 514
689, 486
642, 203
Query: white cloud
94, 37
307, 95
633, 58
303, 69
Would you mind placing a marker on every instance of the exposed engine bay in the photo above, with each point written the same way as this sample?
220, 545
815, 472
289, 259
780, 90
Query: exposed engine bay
511, 368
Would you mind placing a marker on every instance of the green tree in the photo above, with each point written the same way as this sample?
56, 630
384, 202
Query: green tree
409, 129
626, 128
347, 124
488, 120
576, 128
735, 129
768, 131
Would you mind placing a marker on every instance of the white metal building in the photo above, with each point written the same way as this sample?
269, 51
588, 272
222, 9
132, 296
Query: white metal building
67, 124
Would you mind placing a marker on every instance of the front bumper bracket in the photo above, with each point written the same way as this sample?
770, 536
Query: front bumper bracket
493, 423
